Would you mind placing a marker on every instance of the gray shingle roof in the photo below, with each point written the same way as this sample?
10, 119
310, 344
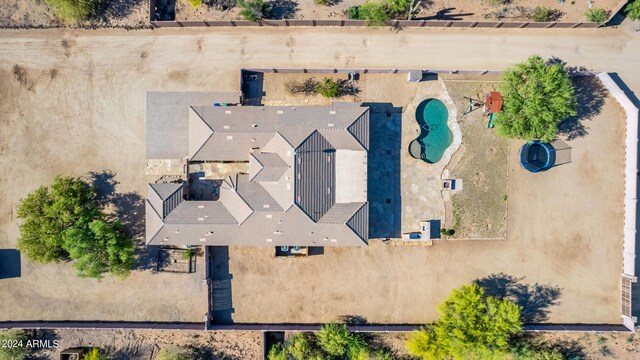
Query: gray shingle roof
289, 196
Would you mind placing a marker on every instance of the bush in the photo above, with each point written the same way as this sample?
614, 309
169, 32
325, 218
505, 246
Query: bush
94, 354
175, 353
597, 15
398, 6
472, 325
74, 10
373, 13
323, 2
307, 87
448, 232
328, 88
541, 14
633, 10
64, 222
195, 3
254, 10
11, 337
353, 12
536, 97
187, 253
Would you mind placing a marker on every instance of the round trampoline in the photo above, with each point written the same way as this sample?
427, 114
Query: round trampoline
537, 156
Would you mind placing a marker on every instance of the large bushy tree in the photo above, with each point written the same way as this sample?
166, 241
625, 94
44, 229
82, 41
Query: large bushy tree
472, 326
537, 96
48, 212
65, 222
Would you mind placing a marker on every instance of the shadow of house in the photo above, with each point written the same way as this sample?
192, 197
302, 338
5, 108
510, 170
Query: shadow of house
589, 95
535, 299
252, 87
9, 264
383, 170
220, 296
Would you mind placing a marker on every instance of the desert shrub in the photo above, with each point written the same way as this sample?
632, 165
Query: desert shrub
186, 255
596, 15
541, 14
74, 10
94, 354
10, 338
398, 6
307, 87
373, 13
254, 10
328, 88
195, 3
447, 232
353, 12
175, 353
633, 10
323, 2
537, 96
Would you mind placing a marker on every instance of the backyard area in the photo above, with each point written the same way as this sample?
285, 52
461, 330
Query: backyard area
480, 210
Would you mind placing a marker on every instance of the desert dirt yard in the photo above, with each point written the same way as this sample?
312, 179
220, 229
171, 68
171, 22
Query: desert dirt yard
77, 105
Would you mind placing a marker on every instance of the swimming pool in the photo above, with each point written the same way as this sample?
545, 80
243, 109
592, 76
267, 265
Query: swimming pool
435, 136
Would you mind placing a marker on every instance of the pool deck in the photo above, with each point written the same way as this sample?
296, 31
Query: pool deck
419, 179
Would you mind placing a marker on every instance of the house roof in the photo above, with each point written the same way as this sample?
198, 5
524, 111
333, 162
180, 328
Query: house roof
306, 183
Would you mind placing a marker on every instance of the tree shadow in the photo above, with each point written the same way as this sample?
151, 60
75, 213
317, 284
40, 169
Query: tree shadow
352, 319
589, 95
42, 352
128, 208
535, 299
117, 9
283, 9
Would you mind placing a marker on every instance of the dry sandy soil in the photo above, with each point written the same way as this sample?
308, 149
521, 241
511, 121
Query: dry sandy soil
135, 13
480, 210
80, 107
36, 13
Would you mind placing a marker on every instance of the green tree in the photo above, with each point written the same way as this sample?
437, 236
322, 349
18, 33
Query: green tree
74, 10
47, 213
633, 10
278, 352
65, 222
335, 339
472, 325
254, 10
13, 345
598, 15
374, 13
94, 354
99, 248
536, 97
328, 88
